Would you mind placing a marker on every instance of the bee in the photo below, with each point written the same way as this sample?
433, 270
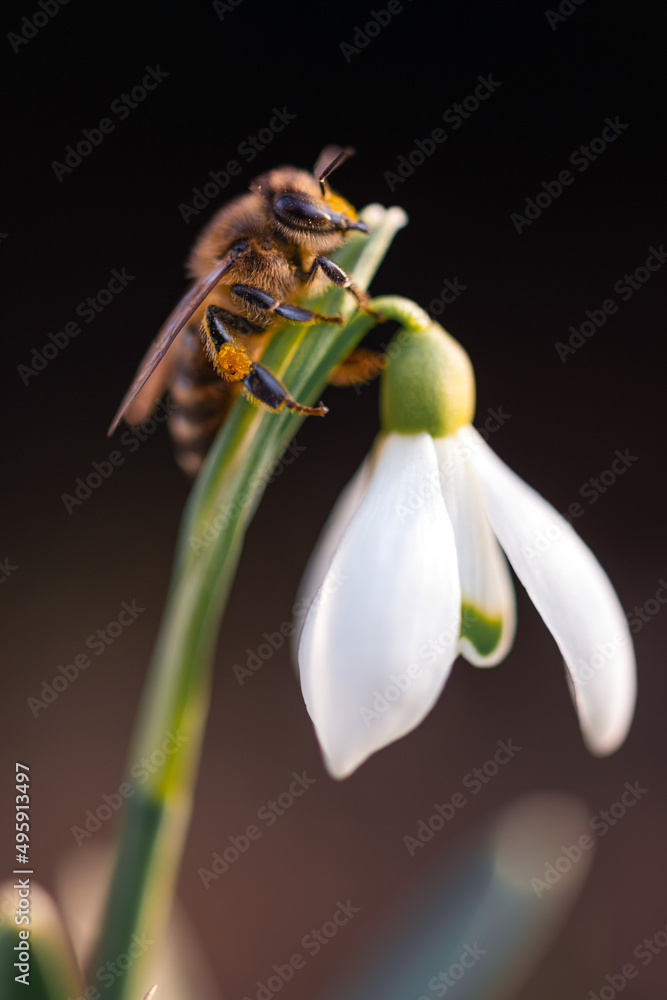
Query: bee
257, 254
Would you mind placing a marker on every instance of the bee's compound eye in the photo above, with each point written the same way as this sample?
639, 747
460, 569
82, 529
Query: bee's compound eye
298, 212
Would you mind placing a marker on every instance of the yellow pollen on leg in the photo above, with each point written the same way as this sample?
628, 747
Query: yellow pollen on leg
233, 362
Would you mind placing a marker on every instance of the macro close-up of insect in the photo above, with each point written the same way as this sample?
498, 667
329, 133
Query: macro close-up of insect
368, 706
259, 252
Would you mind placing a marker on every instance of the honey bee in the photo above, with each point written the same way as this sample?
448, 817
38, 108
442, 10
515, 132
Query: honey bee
257, 254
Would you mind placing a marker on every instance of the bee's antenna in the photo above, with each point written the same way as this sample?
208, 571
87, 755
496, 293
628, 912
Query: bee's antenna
339, 156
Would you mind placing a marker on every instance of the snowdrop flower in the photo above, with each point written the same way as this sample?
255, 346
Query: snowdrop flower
409, 573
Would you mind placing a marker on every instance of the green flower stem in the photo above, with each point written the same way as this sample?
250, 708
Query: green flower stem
176, 698
411, 316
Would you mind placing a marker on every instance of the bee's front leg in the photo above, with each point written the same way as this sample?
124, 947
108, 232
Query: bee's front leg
262, 300
335, 273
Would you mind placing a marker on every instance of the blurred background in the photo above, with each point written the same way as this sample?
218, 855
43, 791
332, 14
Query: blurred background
220, 73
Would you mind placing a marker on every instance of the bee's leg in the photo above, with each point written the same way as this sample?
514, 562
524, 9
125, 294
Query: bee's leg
362, 365
228, 355
216, 315
233, 363
341, 278
262, 300
265, 388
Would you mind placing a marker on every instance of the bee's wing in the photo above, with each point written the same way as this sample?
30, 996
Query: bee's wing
192, 299
142, 405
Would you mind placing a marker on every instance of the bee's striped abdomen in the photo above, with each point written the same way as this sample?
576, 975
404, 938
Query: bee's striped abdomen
202, 399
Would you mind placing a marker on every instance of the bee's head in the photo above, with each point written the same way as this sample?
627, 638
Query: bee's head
303, 208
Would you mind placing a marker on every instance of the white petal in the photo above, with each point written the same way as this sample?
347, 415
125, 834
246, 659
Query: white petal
331, 534
381, 635
488, 615
573, 594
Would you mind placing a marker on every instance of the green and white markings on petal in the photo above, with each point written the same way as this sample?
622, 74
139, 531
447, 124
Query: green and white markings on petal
409, 571
391, 589
488, 604
429, 385
572, 593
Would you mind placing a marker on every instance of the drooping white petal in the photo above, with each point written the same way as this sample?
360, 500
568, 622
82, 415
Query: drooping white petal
488, 615
319, 562
572, 593
381, 634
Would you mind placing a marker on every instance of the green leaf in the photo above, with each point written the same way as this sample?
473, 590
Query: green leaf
176, 699
51, 971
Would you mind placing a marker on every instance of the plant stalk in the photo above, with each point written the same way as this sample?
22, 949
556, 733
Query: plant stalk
177, 692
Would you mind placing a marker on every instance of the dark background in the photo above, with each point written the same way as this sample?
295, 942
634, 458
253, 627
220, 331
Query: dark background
120, 208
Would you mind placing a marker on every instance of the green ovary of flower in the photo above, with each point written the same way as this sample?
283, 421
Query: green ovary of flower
428, 384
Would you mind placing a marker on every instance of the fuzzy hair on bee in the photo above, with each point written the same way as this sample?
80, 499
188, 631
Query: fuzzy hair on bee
258, 253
